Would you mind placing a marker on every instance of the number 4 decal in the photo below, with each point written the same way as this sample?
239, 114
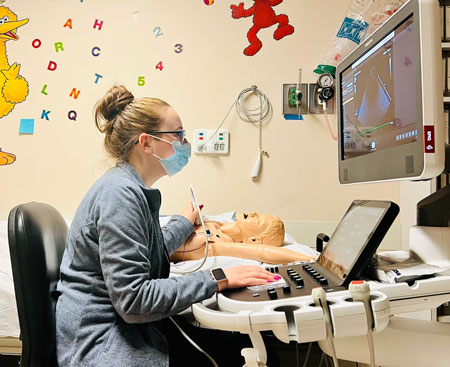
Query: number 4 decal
159, 66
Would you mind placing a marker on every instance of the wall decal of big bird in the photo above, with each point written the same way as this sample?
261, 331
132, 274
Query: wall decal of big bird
13, 87
6, 158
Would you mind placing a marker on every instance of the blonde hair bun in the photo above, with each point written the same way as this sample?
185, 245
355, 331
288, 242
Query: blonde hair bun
114, 102
122, 118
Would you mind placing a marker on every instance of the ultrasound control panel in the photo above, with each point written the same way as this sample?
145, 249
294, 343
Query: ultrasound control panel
296, 280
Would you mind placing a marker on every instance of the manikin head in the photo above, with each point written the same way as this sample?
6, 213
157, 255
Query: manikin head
256, 228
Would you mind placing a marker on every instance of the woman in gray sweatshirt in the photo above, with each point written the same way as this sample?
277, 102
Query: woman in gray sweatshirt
114, 284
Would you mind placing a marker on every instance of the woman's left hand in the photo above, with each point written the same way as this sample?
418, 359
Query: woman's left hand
189, 212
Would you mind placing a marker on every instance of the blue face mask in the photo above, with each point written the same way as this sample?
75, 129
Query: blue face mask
178, 160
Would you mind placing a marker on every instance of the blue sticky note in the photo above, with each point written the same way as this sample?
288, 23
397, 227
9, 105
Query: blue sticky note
26, 126
293, 117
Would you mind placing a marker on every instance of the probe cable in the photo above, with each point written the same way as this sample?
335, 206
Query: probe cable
308, 353
207, 234
360, 292
255, 115
220, 125
214, 363
320, 299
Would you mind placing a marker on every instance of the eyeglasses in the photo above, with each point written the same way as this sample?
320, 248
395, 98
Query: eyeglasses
179, 135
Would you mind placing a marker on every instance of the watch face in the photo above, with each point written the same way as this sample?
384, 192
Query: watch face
219, 274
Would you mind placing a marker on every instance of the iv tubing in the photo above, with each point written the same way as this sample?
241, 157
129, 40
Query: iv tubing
333, 136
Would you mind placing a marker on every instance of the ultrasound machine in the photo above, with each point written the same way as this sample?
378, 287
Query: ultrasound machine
390, 124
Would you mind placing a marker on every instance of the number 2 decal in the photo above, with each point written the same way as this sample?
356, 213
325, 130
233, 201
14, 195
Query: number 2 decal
158, 31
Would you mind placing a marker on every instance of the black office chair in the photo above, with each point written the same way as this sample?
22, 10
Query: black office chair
37, 234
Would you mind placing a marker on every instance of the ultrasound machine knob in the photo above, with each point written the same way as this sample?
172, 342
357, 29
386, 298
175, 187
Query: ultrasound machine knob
272, 293
299, 281
323, 281
286, 289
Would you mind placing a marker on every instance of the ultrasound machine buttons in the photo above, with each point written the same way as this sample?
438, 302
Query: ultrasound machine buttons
315, 274
274, 269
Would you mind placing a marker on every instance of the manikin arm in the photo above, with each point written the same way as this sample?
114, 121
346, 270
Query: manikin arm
262, 253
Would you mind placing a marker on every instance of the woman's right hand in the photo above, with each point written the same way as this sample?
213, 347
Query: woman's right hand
189, 212
248, 275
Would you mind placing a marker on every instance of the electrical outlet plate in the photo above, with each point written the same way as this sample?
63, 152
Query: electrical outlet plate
216, 142
315, 106
288, 109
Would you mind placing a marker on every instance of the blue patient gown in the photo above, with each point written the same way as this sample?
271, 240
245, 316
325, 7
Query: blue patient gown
114, 286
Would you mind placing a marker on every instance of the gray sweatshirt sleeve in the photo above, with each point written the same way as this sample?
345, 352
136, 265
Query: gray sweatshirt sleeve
123, 230
176, 231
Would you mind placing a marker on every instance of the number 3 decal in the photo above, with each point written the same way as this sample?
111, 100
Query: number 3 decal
178, 48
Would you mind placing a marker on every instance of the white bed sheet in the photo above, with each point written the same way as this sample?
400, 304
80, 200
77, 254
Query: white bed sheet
9, 321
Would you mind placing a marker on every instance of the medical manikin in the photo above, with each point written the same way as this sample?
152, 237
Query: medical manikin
253, 236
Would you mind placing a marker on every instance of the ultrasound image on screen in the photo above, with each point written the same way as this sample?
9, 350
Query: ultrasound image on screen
379, 95
349, 238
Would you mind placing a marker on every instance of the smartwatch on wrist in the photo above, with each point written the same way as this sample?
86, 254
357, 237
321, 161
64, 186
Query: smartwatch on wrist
219, 276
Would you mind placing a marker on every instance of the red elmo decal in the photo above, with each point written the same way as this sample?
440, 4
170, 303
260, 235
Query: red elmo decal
263, 17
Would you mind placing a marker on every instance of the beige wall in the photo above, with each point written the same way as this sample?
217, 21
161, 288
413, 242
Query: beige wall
62, 159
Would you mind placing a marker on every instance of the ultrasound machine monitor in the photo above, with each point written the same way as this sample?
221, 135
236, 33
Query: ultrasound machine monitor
390, 100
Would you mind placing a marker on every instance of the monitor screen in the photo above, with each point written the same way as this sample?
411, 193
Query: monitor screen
390, 100
377, 113
354, 234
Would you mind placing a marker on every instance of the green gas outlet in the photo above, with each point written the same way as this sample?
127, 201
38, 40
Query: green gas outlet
290, 95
